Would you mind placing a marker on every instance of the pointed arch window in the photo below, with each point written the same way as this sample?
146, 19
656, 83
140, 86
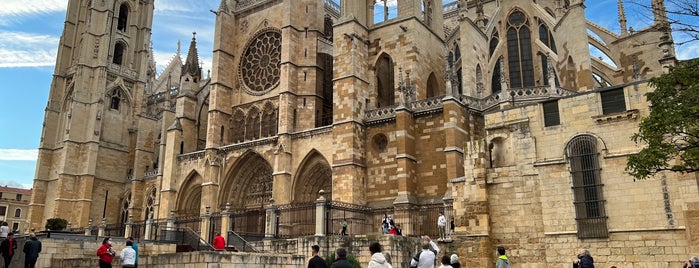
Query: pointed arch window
118, 53
125, 208
494, 43
269, 122
432, 86
495, 84
384, 81
115, 99
546, 37
252, 124
123, 17
519, 51
590, 214
238, 127
150, 204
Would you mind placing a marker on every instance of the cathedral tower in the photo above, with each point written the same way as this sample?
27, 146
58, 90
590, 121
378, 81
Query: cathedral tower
91, 118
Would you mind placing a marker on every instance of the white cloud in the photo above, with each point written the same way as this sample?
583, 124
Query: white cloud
20, 49
14, 9
19, 154
688, 51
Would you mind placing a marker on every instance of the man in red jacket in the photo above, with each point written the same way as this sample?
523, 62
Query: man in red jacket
219, 242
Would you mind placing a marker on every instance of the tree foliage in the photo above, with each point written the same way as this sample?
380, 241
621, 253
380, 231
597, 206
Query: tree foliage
56, 224
671, 130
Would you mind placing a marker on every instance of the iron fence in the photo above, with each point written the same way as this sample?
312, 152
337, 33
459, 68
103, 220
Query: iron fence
296, 219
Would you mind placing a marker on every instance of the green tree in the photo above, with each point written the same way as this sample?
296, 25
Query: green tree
671, 130
56, 224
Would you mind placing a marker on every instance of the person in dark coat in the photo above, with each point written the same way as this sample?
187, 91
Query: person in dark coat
584, 260
8, 248
341, 259
316, 261
31, 250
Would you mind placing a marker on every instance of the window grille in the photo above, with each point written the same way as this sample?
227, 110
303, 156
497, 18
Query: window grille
613, 101
551, 115
587, 188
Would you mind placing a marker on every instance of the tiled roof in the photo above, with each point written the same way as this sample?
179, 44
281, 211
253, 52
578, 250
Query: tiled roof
6, 189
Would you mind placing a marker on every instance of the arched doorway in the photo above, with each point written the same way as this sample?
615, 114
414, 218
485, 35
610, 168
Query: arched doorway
248, 189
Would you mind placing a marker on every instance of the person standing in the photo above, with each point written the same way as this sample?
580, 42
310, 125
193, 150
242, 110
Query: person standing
106, 253
128, 255
399, 231
344, 227
442, 225
385, 223
31, 250
693, 262
502, 262
446, 262
135, 248
219, 242
454, 260
584, 260
8, 247
426, 257
341, 259
316, 261
4, 230
378, 260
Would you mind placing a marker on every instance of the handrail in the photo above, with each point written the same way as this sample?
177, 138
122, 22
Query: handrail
246, 244
200, 239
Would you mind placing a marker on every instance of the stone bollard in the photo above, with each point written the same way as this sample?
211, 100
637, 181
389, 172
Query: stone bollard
88, 229
129, 227
102, 227
226, 221
271, 220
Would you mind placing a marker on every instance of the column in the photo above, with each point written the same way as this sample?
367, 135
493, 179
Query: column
226, 220
205, 224
129, 227
88, 229
320, 214
271, 220
103, 225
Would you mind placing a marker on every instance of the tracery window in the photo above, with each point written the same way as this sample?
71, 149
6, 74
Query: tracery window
150, 204
519, 51
587, 187
260, 64
125, 208
115, 99
238, 126
269, 121
252, 124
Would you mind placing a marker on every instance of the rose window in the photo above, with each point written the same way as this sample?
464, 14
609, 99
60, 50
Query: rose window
259, 66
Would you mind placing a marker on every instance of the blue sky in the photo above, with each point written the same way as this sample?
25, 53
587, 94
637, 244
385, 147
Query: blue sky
29, 34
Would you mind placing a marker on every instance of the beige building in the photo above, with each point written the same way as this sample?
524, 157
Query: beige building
14, 207
496, 112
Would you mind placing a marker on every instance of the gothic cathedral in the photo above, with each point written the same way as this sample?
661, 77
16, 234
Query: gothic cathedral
496, 112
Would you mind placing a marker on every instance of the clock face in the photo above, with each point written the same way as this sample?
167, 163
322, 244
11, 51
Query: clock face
260, 64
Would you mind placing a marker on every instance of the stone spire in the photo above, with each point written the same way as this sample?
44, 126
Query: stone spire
191, 66
659, 12
622, 17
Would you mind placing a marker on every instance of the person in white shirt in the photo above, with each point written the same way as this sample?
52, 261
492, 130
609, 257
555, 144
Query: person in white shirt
442, 225
128, 255
4, 230
426, 257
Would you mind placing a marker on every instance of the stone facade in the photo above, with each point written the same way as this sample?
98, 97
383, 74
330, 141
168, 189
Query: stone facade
393, 108
14, 207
